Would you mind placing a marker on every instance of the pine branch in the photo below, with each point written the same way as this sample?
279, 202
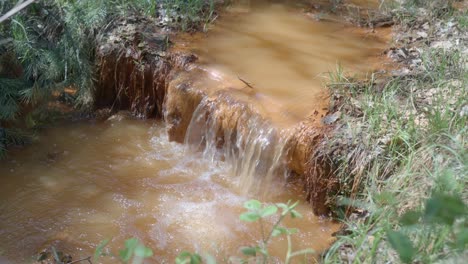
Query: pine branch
15, 10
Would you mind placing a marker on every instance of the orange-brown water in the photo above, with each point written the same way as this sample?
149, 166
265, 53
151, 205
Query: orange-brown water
285, 55
82, 183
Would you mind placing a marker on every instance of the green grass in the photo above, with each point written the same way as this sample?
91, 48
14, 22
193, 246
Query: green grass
462, 20
189, 15
406, 12
402, 143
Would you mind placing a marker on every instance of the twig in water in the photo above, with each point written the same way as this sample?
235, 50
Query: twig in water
246, 83
83, 259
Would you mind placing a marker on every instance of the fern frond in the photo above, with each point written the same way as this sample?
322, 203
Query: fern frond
9, 97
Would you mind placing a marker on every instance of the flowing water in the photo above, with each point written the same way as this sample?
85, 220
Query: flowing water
81, 183
286, 55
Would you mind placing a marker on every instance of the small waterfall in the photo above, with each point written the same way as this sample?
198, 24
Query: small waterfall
230, 130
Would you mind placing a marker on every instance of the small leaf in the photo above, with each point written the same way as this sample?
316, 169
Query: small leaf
249, 251
195, 259
125, 254
187, 257
143, 252
284, 207
210, 259
249, 217
269, 210
264, 251
181, 261
295, 214
410, 218
183, 258
184, 254
292, 206
402, 245
253, 205
130, 245
278, 231
275, 233
100, 248
444, 208
462, 239
42, 256
292, 231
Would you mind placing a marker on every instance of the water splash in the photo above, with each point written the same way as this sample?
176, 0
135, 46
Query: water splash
230, 130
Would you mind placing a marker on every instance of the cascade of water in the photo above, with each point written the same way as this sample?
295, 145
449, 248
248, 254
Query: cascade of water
226, 130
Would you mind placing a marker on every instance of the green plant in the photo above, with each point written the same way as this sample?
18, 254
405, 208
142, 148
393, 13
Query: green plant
257, 212
194, 258
443, 214
399, 148
188, 258
189, 15
134, 251
462, 19
408, 11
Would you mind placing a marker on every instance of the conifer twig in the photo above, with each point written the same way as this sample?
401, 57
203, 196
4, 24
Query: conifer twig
15, 10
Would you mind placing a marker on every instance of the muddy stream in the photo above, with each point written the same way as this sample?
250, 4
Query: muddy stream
84, 182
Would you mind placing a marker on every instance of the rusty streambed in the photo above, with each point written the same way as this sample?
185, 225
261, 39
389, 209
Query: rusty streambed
246, 102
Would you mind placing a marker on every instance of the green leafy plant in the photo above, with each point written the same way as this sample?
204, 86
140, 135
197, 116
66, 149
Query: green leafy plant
188, 258
134, 251
442, 211
257, 212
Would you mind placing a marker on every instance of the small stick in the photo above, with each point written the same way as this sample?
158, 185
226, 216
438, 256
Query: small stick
83, 259
15, 10
246, 83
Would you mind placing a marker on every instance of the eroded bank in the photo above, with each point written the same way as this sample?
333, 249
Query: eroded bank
251, 95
